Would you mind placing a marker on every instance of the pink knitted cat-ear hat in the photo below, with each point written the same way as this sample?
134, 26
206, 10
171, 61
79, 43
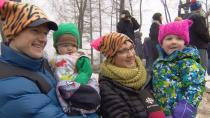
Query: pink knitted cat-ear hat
179, 28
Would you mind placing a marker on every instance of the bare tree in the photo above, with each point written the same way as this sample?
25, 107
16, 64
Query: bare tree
64, 8
122, 5
167, 14
117, 4
112, 15
91, 29
81, 5
130, 2
140, 12
100, 26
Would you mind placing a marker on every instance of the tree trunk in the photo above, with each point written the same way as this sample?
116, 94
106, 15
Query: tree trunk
111, 15
167, 14
130, 1
140, 16
81, 7
91, 31
100, 27
122, 6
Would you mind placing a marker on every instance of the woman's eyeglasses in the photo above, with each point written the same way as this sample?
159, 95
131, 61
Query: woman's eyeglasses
126, 50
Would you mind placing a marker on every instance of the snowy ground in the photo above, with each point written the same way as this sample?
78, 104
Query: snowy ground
204, 107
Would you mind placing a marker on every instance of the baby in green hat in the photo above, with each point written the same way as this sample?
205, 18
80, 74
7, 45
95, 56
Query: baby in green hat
77, 91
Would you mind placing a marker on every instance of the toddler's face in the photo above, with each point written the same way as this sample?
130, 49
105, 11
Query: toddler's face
171, 43
66, 48
67, 44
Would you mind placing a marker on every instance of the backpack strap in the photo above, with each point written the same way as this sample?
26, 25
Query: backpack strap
8, 70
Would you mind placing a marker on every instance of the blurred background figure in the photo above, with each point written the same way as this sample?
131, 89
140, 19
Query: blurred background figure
138, 44
199, 33
127, 25
151, 43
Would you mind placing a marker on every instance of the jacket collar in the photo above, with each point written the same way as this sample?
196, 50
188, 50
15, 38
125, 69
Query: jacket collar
18, 59
187, 52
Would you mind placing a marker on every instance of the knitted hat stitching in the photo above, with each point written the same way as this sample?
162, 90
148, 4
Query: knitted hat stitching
66, 28
109, 44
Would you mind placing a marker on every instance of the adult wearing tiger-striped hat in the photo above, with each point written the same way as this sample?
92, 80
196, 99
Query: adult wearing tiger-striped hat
27, 89
123, 80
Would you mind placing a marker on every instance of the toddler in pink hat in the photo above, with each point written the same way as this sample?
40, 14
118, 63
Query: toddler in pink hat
179, 28
178, 79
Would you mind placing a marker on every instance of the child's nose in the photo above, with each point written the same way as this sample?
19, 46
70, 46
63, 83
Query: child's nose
173, 41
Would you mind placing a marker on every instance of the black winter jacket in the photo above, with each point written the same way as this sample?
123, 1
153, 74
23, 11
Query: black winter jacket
118, 101
128, 27
199, 34
154, 31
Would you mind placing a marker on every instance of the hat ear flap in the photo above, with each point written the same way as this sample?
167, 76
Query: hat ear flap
96, 43
189, 22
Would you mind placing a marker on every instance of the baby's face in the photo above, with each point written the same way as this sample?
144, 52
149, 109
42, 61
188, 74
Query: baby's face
171, 43
66, 48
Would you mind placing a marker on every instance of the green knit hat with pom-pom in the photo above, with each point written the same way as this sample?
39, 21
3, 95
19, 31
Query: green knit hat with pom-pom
66, 28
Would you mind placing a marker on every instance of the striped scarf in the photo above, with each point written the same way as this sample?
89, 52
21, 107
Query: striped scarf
129, 77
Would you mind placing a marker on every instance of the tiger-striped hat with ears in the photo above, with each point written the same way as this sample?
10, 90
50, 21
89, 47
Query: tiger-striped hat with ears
109, 44
17, 16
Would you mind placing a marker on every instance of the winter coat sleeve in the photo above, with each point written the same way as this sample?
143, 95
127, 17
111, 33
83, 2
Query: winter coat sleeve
21, 98
135, 23
84, 70
112, 105
193, 80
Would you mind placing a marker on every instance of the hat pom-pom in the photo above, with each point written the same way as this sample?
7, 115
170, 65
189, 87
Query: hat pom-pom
2, 3
96, 43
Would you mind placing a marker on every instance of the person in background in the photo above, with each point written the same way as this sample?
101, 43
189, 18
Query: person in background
124, 88
208, 52
199, 32
73, 72
127, 24
208, 70
150, 45
138, 44
178, 77
154, 29
25, 28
